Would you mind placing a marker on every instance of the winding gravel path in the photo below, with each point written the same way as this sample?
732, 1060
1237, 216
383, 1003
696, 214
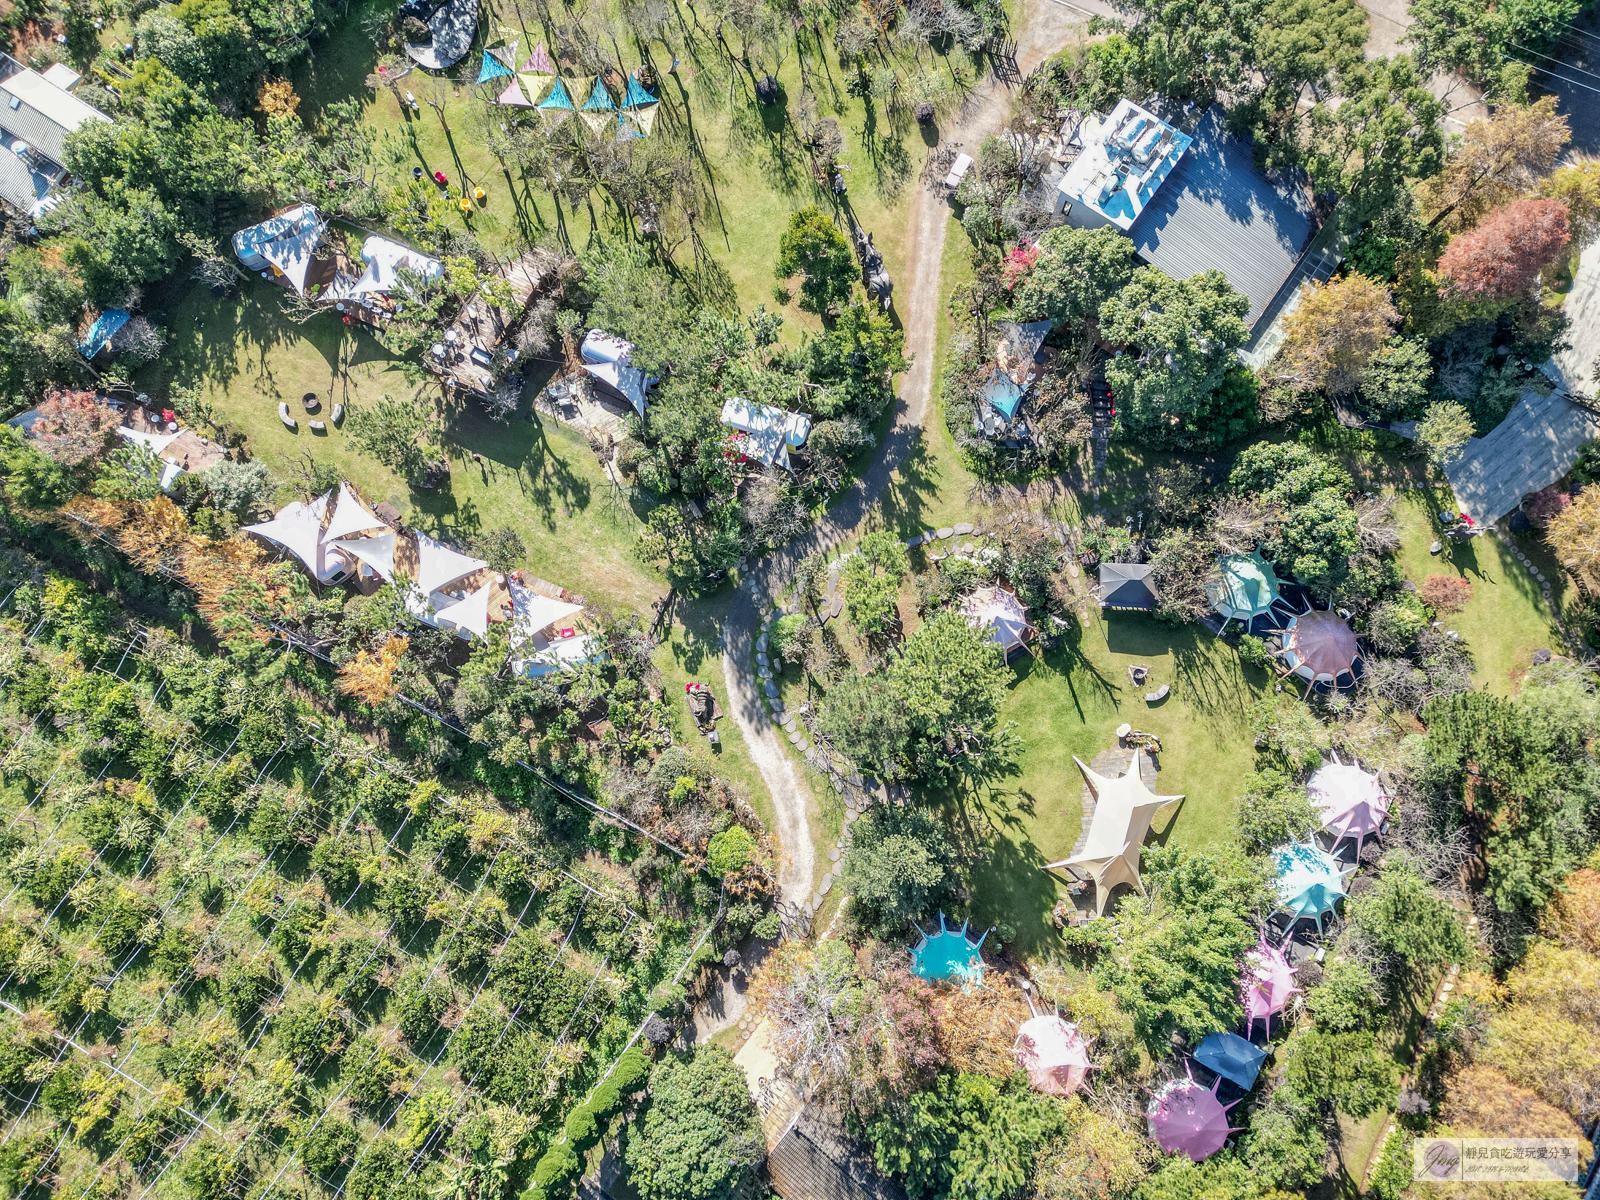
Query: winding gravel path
1046, 26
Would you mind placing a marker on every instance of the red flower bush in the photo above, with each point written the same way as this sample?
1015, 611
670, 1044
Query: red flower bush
1505, 253
1543, 507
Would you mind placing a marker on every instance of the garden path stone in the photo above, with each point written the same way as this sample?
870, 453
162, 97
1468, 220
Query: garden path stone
794, 737
850, 818
947, 531
802, 745
770, 688
827, 882
833, 855
764, 673
963, 527
777, 705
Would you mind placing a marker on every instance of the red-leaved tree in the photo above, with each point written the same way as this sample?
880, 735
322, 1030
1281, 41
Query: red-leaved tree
1504, 254
74, 428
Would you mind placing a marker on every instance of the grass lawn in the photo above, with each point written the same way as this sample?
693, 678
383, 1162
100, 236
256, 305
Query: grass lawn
1070, 703
1507, 618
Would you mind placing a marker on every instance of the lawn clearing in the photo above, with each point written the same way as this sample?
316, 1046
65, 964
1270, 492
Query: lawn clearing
1069, 703
1507, 618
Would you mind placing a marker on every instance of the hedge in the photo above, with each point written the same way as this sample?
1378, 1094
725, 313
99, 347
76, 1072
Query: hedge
562, 1162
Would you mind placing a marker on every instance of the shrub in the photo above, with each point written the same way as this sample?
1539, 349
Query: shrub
1447, 593
731, 851
1274, 810
1253, 651
1347, 1069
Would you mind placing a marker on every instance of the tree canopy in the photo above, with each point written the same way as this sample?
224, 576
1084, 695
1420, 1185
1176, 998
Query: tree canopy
899, 863
700, 1132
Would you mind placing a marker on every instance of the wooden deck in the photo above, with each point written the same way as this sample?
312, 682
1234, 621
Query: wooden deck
464, 356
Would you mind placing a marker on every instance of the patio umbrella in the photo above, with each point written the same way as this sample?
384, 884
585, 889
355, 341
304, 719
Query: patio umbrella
1231, 1057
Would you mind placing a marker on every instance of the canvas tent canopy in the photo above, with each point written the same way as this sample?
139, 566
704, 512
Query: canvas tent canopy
349, 516
1124, 808
468, 615
1002, 393
385, 260
102, 331
1001, 613
769, 432
1310, 881
1351, 802
282, 244
533, 651
1128, 586
1320, 646
298, 529
1233, 1058
539, 61
1267, 984
636, 96
1053, 1054
438, 565
1243, 587
375, 554
1017, 347
1186, 1117
949, 956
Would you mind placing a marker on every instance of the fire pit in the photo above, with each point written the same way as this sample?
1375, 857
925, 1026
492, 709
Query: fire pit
1138, 675
311, 402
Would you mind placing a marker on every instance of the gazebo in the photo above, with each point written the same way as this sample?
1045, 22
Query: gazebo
949, 956
1243, 587
1127, 586
1352, 802
1319, 646
1233, 1058
1185, 1116
1267, 984
1124, 808
999, 612
1054, 1055
1310, 881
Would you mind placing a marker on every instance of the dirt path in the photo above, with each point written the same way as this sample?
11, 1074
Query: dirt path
1045, 27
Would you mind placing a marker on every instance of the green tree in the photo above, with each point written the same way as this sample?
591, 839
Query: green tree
1489, 44
1191, 50
1181, 336
1316, 540
502, 548
968, 1135
871, 578
1078, 271
1346, 1000
1273, 811
814, 248
400, 434
899, 863
700, 1132
1397, 382
1285, 1147
1412, 926
1348, 1069
1300, 44
1383, 133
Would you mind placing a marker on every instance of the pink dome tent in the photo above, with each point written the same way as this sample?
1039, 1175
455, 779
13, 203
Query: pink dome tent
1185, 1116
1053, 1054
1267, 984
1352, 803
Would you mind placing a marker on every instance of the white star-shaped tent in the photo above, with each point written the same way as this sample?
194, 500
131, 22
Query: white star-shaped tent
1124, 808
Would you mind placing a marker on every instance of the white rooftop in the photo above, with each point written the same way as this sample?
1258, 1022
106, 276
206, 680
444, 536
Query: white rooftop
1125, 160
770, 432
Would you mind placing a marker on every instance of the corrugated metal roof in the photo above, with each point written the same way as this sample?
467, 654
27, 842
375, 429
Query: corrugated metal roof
40, 113
18, 185
1216, 210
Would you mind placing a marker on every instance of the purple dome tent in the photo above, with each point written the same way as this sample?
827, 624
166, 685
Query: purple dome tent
1267, 984
1053, 1054
1352, 803
1185, 1116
